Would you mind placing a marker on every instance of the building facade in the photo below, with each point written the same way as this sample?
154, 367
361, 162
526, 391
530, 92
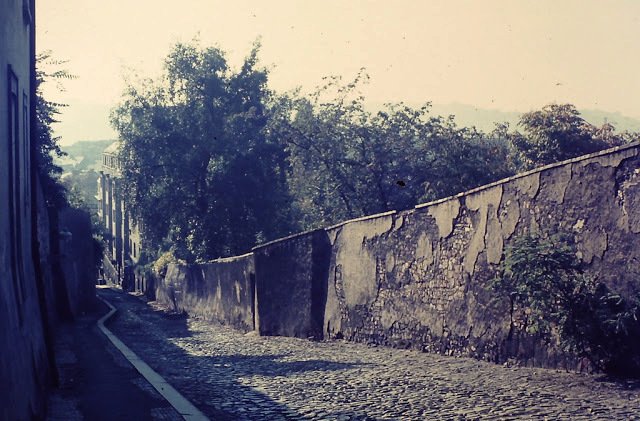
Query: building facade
122, 239
24, 368
47, 261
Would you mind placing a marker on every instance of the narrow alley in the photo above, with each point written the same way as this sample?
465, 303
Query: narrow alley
319, 211
96, 382
233, 376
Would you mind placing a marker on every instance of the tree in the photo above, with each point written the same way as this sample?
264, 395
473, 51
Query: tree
558, 132
47, 145
198, 167
348, 162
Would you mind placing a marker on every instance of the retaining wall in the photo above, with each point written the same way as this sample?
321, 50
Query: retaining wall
78, 259
291, 285
222, 290
420, 278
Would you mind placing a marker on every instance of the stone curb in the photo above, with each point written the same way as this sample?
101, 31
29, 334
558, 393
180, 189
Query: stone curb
185, 408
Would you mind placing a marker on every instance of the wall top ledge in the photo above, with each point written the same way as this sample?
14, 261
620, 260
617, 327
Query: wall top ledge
280, 240
227, 259
362, 218
258, 248
609, 151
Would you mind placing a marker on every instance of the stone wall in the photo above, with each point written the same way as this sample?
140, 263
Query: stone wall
291, 285
33, 293
222, 290
420, 278
78, 259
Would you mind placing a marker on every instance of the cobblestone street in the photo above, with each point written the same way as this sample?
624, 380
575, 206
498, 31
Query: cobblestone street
230, 375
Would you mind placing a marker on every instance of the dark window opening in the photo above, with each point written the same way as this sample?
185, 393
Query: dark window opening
26, 187
15, 216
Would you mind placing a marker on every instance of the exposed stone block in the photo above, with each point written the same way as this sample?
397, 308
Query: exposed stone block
445, 213
425, 284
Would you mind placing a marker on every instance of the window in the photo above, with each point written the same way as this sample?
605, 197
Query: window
15, 216
26, 186
26, 13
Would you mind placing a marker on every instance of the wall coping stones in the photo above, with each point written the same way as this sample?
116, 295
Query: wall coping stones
362, 218
530, 172
280, 240
227, 259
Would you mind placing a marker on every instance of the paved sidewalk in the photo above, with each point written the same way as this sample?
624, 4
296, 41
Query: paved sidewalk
97, 382
232, 376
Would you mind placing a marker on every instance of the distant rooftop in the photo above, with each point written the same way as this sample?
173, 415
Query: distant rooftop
114, 148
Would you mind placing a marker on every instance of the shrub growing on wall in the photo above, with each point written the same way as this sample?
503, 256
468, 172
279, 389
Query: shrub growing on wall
549, 292
161, 265
605, 327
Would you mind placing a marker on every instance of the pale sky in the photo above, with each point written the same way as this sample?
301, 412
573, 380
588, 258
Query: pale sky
507, 55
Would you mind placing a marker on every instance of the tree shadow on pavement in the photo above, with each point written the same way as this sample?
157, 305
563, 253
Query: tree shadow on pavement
620, 382
211, 382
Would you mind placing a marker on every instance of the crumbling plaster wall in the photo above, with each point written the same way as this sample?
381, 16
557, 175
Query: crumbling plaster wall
419, 278
222, 290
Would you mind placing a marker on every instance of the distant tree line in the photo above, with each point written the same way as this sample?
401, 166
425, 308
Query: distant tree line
214, 162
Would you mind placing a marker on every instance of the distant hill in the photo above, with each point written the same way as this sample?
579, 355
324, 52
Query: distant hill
83, 155
481, 118
621, 122
485, 119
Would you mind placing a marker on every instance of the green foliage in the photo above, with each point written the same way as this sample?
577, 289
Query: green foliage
539, 276
558, 132
605, 327
198, 166
215, 163
46, 145
548, 291
162, 263
347, 161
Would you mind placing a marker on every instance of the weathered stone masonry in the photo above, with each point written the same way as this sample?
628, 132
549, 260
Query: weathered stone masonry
222, 290
419, 278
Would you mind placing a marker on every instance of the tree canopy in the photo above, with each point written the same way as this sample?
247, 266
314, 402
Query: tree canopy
199, 169
346, 161
47, 146
558, 132
214, 162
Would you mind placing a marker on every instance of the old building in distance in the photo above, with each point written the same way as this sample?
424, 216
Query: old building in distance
122, 240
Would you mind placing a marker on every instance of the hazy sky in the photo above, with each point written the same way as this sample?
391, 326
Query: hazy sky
507, 55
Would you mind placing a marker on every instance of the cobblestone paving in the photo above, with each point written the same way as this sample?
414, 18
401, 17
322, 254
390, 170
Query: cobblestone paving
230, 375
